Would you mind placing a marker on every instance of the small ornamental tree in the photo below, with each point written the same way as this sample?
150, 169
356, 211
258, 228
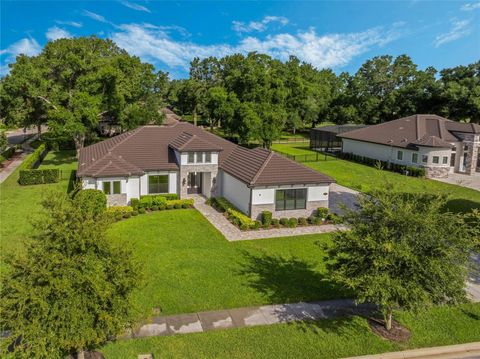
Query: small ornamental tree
403, 251
70, 289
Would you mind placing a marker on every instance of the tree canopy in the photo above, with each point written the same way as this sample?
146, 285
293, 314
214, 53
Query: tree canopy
74, 83
403, 251
70, 288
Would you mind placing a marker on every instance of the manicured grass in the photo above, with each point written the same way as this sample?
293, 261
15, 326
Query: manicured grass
189, 266
365, 178
324, 339
21, 204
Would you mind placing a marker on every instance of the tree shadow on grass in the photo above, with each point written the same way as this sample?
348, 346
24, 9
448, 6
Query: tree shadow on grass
287, 280
461, 205
59, 158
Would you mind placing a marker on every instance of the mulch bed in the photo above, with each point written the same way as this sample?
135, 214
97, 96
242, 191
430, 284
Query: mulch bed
398, 333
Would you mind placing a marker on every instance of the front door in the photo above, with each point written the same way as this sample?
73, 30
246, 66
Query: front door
194, 184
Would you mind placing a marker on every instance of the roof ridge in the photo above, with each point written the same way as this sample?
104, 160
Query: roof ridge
128, 134
262, 167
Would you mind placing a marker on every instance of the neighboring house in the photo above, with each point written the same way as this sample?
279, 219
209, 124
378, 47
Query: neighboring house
439, 145
185, 159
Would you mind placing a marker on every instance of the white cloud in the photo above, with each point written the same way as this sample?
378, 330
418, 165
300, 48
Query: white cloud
322, 51
25, 46
55, 33
459, 29
259, 26
94, 16
470, 6
69, 23
134, 6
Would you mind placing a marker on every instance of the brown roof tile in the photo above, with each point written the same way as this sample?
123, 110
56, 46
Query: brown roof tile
416, 130
151, 148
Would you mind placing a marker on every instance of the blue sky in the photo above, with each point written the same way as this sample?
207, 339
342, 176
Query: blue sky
330, 34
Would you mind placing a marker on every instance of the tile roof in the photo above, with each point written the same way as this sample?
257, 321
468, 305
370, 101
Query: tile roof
415, 130
188, 142
150, 148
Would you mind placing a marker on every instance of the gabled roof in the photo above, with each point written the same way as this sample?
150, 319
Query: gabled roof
416, 130
188, 142
151, 148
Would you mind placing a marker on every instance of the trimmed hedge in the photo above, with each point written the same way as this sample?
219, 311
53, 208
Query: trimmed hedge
180, 203
234, 215
35, 157
92, 200
266, 218
158, 200
32, 176
394, 167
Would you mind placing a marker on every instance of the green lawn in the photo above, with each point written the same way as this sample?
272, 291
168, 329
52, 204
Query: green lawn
20, 204
189, 266
365, 178
324, 339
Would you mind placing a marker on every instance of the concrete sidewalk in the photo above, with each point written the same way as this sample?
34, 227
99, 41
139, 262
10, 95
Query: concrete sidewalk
27, 149
465, 351
246, 317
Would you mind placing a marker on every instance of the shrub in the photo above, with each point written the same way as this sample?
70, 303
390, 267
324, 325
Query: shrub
266, 218
179, 203
134, 213
222, 204
314, 220
169, 196
119, 209
35, 157
302, 221
127, 214
141, 210
244, 226
275, 223
255, 225
334, 218
322, 212
8, 153
31, 176
146, 202
162, 207
91, 200
135, 203
239, 218
154, 208
292, 222
284, 221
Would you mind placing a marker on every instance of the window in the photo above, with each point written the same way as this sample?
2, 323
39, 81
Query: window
208, 157
286, 199
445, 160
424, 158
108, 186
191, 157
158, 184
436, 159
199, 157
400, 155
414, 157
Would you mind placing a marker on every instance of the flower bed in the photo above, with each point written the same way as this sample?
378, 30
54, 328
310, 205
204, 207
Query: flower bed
236, 217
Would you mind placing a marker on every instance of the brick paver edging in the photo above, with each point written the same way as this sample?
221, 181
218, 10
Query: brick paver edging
469, 350
232, 233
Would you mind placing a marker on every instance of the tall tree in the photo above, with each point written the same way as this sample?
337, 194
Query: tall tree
403, 251
70, 288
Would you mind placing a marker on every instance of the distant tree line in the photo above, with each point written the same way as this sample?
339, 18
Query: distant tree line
74, 84
255, 97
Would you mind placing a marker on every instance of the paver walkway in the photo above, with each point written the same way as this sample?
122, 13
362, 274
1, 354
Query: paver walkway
12, 166
459, 179
246, 317
232, 233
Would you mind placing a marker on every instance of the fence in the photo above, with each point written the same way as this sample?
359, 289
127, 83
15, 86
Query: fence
293, 140
312, 157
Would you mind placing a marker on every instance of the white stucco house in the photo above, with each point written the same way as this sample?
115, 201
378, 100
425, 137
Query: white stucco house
439, 145
184, 159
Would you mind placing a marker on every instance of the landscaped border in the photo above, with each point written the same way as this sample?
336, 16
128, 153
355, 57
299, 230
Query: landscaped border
322, 217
